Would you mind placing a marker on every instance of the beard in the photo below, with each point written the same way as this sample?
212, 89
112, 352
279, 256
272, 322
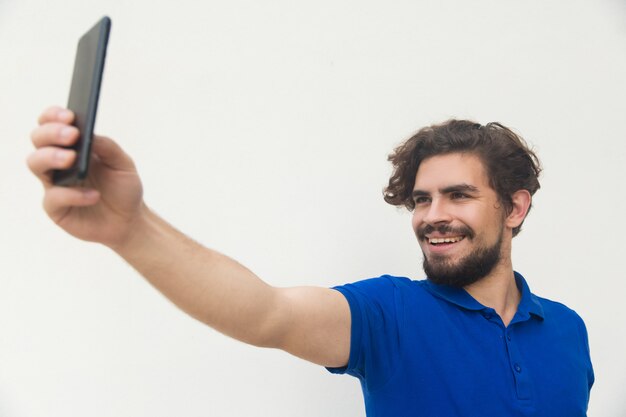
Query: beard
467, 270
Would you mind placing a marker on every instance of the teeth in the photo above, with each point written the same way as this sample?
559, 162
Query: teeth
445, 239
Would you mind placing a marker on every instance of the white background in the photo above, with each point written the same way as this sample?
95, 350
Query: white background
261, 129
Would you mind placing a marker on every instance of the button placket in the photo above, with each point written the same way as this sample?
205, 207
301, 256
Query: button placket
522, 379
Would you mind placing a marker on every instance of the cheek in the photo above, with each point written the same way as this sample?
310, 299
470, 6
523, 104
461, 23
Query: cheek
490, 227
415, 221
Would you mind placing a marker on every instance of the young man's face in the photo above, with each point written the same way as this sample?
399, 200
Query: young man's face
458, 219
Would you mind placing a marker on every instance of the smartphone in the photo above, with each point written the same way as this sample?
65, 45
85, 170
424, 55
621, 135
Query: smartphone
83, 98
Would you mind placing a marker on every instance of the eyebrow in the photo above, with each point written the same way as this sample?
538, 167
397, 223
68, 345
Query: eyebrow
456, 188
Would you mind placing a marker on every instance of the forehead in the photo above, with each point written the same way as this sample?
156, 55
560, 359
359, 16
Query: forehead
441, 171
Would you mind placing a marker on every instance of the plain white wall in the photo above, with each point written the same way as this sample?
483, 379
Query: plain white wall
261, 129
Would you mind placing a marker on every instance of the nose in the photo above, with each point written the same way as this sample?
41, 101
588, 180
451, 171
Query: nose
436, 213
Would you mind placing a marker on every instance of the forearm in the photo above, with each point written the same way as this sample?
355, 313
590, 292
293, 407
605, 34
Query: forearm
205, 284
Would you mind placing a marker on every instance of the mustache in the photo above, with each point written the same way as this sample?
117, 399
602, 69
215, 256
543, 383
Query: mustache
445, 229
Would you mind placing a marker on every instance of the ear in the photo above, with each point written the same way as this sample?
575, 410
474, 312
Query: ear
521, 204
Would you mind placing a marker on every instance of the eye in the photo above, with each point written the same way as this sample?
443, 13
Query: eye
459, 196
421, 200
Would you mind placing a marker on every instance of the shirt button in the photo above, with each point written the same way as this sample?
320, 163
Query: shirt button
517, 368
488, 316
508, 337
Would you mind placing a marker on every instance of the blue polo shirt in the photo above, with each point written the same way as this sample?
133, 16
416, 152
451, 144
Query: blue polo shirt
425, 350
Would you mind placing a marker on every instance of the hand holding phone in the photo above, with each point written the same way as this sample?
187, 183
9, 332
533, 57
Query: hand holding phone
83, 98
108, 206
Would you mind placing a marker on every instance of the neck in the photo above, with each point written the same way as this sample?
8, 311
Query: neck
498, 290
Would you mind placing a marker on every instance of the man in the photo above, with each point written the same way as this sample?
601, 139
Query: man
471, 340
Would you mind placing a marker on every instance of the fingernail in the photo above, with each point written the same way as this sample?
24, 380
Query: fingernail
90, 194
66, 132
61, 156
64, 114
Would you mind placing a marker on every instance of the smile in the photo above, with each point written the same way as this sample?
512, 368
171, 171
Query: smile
440, 240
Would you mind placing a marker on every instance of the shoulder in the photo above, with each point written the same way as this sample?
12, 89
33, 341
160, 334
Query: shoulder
383, 293
568, 325
557, 310
563, 317
382, 285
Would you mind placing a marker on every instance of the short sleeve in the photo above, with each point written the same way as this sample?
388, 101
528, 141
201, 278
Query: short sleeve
587, 353
374, 342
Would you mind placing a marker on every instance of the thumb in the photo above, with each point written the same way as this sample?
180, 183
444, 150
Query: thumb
111, 154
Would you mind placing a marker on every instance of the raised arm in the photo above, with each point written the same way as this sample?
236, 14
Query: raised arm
309, 322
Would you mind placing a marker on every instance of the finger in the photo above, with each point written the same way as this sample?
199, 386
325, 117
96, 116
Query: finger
56, 114
44, 160
111, 154
54, 133
58, 200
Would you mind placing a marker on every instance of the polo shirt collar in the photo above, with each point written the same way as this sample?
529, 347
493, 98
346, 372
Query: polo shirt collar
454, 295
529, 304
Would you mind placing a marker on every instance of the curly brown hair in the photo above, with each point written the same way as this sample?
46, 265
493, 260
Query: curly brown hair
510, 164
